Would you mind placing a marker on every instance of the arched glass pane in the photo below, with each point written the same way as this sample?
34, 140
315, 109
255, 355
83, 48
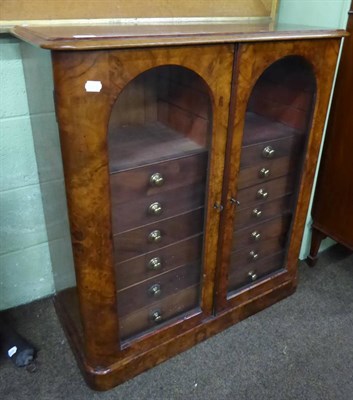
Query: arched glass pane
159, 141
275, 133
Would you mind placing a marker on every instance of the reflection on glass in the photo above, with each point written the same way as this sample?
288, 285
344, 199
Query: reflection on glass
159, 137
276, 128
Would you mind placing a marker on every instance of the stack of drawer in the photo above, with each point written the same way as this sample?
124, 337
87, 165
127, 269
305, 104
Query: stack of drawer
157, 217
265, 194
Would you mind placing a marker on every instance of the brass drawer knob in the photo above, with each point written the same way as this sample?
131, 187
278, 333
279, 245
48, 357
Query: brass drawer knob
268, 152
256, 235
156, 316
253, 255
155, 263
261, 194
264, 173
252, 275
234, 201
155, 290
155, 236
155, 209
256, 212
156, 179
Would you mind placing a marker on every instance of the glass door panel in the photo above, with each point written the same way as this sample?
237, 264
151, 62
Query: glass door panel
159, 141
276, 127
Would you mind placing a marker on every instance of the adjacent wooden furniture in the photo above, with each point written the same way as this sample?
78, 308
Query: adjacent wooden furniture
189, 153
332, 210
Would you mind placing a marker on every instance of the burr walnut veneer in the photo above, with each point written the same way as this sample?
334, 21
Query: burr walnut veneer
189, 153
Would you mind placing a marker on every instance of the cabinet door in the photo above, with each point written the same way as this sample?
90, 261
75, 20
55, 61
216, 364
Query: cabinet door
144, 159
281, 94
159, 142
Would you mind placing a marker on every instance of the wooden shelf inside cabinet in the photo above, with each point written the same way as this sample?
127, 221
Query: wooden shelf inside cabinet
188, 117
259, 128
136, 146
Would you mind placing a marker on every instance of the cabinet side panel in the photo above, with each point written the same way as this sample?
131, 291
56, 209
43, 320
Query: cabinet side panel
82, 117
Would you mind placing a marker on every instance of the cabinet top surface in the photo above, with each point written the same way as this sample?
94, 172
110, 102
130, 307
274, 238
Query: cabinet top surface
91, 37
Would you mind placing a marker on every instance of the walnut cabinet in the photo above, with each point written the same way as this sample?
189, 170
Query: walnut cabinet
188, 168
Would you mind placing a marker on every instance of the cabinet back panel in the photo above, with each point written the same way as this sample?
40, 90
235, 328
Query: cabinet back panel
284, 93
177, 99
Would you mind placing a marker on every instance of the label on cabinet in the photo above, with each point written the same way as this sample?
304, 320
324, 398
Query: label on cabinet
93, 86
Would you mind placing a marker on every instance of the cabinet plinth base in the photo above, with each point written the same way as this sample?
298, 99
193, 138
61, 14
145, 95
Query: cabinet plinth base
123, 370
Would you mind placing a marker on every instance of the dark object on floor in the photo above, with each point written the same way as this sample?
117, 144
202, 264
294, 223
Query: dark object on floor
14, 346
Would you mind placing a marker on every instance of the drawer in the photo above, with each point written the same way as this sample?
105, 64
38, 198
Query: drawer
171, 306
142, 240
253, 255
156, 207
157, 288
156, 262
258, 194
272, 149
266, 170
251, 273
255, 214
173, 174
260, 233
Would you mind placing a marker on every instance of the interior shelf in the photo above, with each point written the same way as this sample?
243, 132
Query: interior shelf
259, 129
135, 146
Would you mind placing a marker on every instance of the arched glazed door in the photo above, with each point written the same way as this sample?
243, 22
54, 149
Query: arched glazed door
269, 177
159, 141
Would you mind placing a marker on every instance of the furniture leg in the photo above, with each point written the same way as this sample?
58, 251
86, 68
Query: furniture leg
316, 239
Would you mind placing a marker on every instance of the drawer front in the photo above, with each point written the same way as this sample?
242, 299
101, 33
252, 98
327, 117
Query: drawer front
157, 288
273, 149
156, 207
156, 262
250, 273
257, 234
256, 214
138, 241
147, 317
253, 255
138, 182
265, 171
258, 194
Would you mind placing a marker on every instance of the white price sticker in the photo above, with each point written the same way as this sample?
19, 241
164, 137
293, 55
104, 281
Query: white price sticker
93, 86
